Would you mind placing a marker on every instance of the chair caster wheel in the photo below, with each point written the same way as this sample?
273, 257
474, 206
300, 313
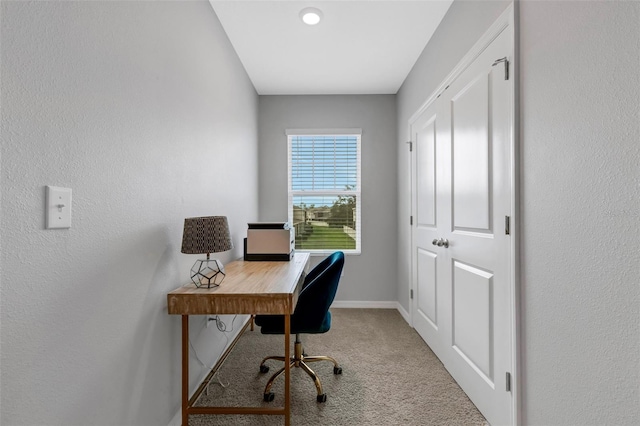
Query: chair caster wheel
337, 370
264, 369
322, 398
268, 397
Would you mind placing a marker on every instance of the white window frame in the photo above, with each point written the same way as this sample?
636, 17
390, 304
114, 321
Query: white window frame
356, 192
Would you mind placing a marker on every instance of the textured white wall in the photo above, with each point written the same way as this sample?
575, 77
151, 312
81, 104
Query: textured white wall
580, 74
370, 276
580, 199
145, 111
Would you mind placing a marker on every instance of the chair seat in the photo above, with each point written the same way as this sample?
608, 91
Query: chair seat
274, 324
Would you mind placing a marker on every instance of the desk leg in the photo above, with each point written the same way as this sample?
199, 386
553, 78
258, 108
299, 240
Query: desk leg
287, 370
185, 370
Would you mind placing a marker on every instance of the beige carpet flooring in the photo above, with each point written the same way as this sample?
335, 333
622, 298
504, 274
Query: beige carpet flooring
390, 377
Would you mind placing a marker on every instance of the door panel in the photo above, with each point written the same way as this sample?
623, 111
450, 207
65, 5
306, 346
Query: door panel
428, 276
427, 291
472, 315
470, 141
426, 183
481, 337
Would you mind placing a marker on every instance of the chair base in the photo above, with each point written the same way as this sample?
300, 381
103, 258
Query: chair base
299, 360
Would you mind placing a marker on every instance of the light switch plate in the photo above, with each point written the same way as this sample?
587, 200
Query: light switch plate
58, 214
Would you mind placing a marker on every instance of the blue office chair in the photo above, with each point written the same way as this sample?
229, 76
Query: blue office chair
310, 316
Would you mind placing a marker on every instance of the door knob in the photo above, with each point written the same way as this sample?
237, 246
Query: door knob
435, 242
442, 242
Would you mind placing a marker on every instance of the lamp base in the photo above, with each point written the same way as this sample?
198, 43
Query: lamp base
207, 272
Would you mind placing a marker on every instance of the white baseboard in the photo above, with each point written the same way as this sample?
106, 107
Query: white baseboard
404, 314
365, 304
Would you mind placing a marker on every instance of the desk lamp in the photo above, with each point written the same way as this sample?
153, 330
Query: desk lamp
208, 235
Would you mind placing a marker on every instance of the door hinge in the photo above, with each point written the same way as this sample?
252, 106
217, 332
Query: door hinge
411, 220
506, 66
410, 146
411, 293
445, 89
508, 382
507, 225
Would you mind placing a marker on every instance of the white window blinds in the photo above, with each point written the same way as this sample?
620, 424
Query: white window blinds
324, 191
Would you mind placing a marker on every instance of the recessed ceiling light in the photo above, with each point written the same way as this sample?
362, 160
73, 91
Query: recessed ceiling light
310, 15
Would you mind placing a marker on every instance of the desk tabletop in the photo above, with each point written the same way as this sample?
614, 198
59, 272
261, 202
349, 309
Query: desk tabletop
249, 287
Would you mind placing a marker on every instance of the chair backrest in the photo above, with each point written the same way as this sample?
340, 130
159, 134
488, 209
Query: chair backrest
319, 290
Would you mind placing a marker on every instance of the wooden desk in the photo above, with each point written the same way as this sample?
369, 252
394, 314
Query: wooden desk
248, 288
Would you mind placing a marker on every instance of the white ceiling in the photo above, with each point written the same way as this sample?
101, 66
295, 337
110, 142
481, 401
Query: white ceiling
360, 47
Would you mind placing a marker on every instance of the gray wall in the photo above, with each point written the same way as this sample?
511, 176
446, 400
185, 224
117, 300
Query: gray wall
580, 190
370, 276
145, 111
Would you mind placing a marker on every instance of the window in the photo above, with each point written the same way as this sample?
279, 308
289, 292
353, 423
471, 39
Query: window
324, 190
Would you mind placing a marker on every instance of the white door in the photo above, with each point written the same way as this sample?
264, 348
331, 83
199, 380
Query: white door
462, 188
429, 199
